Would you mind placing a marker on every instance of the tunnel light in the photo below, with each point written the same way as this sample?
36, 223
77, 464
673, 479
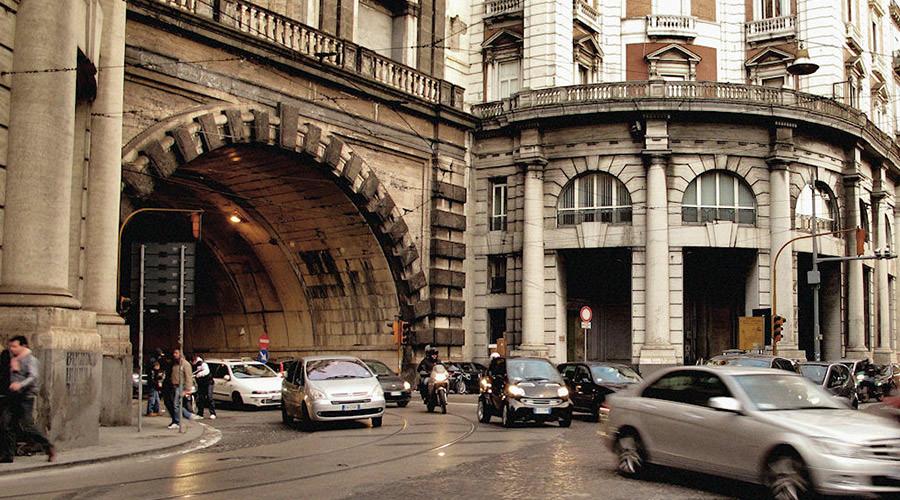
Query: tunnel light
235, 218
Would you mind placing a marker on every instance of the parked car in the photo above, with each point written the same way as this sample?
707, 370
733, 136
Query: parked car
757, 425
327, 388
834, 378
590, 382
753, 360
396, 390
245, 382
137, 380
524, 389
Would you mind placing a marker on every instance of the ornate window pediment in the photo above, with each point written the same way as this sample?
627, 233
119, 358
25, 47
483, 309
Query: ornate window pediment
503, 64
769, 68
673, 62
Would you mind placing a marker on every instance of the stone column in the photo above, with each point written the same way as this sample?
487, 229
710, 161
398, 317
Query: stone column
856, 322
533, 260
780, 233
35, 299
883, 348
39, 172
657, 349
102, 224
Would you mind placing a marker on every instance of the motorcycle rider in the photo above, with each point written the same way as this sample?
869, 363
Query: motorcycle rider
425, 366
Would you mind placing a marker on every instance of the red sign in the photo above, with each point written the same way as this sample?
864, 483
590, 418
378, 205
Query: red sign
263, 342
586, 314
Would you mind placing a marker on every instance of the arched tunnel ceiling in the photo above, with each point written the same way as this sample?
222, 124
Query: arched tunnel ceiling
303, 255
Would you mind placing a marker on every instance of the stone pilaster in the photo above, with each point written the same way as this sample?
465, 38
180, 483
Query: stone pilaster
856, 322
531, 158
548, 54
102, 225
883, 352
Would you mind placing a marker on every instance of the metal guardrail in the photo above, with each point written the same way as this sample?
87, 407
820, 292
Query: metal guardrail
256, 21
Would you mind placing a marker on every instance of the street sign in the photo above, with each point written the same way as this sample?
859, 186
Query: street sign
586, 315
751, 332
264, 342
586, 325
263, 356
166, 273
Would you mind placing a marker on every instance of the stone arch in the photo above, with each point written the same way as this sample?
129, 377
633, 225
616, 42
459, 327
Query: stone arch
736, 205
161, 150
561, 172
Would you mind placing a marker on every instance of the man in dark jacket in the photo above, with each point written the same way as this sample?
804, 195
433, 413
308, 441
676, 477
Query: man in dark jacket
18, 410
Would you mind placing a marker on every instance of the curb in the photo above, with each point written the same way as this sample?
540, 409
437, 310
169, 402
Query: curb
209, 434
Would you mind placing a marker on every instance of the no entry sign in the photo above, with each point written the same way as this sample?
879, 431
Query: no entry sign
586, 314
264, 342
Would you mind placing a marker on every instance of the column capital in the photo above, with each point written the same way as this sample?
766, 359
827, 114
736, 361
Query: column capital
851, 178
656, 157
530, 157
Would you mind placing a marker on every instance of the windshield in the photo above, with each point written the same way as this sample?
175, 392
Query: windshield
785, 392
615, 374
332, 369
252, 370
816, 373
379, 368
532, 369
750, 362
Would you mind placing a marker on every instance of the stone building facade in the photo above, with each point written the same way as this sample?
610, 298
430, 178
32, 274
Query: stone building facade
650, 159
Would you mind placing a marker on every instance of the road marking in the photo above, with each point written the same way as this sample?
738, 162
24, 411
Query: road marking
204, 442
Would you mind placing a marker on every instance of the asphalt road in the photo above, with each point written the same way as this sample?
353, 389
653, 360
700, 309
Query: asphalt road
414, 454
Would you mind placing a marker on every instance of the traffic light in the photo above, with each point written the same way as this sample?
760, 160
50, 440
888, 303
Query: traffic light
777, 329
407, 332
401, 330
196, 218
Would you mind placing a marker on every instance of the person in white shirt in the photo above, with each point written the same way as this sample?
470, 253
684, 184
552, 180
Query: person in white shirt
204, 387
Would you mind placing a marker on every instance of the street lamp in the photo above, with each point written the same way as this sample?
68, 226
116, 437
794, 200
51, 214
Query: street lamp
802, 64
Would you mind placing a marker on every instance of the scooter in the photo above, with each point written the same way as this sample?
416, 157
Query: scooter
436, 392
868, 386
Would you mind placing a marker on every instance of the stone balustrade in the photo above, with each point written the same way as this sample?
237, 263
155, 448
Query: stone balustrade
675, 26
306, 41
500, 7
584, 12
771, 28
634, 92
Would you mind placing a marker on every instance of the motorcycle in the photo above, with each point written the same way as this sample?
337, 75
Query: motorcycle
869, 386
436, 392
459, 381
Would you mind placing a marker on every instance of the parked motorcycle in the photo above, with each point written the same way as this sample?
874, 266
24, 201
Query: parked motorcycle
436, 392
459, 380
870, 386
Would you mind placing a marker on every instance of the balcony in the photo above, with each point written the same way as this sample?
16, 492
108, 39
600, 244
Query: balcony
854, 38
317, 47
772, 28
671, 26
500, 8
583, 12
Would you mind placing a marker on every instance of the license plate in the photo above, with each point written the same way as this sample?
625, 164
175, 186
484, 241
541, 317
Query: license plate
396, 393
349, 407
542, 411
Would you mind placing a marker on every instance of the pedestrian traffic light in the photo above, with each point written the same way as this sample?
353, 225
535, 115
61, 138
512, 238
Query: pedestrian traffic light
195, 224
777, 329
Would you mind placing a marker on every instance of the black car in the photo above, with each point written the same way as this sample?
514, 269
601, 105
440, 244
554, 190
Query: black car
520, 389
396, 390
590, 382
753, 360
465, 376
833, 377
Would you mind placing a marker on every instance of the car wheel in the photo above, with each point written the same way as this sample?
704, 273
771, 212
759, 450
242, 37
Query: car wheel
461, 386
402, 404
376, 422
236, 399
285, 418
786, 477
306, 422
632, 459
508, 419
484, 415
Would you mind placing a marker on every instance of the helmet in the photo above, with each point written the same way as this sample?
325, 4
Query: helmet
495, 355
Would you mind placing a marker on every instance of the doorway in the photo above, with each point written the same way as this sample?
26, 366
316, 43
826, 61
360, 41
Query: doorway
600, 279
715, 296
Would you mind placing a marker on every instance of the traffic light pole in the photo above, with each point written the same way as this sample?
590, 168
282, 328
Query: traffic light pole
141, 346
814, 278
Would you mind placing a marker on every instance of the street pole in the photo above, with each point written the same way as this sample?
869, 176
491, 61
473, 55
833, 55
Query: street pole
814, 279
181, 329
141, 345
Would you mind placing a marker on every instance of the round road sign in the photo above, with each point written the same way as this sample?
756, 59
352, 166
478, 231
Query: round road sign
586, 314
264, 342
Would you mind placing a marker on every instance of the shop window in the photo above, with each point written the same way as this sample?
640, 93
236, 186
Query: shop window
826, 220
497, 273
718, 196
496, 324
597, 197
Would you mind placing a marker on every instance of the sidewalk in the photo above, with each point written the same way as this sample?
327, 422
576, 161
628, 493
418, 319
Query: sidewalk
122, 442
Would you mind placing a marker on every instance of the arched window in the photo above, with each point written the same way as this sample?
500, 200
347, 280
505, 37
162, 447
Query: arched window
718, 196
826, 214
598, 197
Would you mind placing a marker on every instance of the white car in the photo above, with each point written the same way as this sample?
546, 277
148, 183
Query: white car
757, 425
326, 388
245, 382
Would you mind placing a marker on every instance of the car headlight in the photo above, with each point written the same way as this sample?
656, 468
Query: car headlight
838, 448
563, 392
377, 391
406, 386
860, 377
515, 390
440, 377
317, 395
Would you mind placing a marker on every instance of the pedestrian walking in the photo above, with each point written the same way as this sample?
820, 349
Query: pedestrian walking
18, 407
204, 387
178, 385
155, 378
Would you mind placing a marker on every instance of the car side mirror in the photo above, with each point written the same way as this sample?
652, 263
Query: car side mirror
725, 404
227, 378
